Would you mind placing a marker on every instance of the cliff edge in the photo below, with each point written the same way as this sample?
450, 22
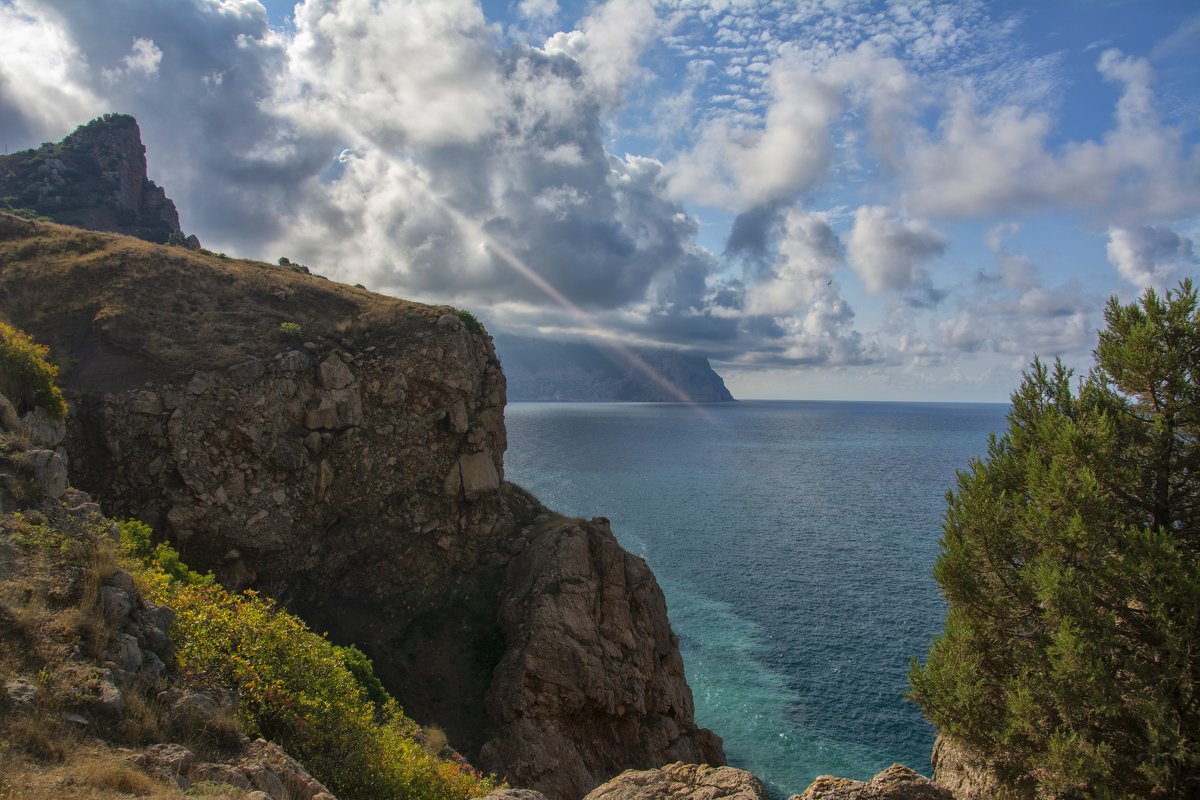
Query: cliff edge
350, 463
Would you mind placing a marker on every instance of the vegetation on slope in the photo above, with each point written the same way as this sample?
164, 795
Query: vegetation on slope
27, 379
1071, 563
311, 697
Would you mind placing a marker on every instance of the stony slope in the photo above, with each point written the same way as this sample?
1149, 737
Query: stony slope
89, 705
359, 476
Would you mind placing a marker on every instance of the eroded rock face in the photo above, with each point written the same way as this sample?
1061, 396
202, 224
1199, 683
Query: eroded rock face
897, 782
587, 638
268, 471
682, 782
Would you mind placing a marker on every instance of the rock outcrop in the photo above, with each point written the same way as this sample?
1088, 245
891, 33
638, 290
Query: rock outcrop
538, 369
359, 477
969, 776
682, 782
94, 178
897, 782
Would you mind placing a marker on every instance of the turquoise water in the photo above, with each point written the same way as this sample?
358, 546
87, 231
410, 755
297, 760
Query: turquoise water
794, 542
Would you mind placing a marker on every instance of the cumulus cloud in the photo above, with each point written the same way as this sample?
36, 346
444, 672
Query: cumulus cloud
143, 60
393, 72
609, 44
742, 167
810, 253
1150, 256
889, 252
999, 161
1012, 312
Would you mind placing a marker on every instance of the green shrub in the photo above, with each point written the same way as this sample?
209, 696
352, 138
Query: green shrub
26, 377
470, 320
291, 331
320, 702
363, 670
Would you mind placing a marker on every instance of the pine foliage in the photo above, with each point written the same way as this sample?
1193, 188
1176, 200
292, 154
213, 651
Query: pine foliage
1071, 565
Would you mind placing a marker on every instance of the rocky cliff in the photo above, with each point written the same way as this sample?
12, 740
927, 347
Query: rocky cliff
538, 369
94, 178
356, 472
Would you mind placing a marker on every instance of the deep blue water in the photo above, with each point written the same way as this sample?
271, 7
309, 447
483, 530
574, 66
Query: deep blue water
794, 542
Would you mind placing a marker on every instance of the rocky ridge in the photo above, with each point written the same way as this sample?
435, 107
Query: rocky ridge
94, 178
358, 475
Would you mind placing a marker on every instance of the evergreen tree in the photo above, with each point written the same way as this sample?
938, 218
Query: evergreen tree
1071, 566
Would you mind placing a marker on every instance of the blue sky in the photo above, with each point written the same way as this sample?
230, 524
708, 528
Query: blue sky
883, 200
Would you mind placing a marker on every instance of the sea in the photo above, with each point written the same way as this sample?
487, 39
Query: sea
794, 542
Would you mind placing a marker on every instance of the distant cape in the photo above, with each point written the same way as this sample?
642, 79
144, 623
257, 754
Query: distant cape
545, 370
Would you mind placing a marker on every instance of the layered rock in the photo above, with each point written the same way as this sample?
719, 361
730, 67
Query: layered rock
539, 369
359, 477
94, 178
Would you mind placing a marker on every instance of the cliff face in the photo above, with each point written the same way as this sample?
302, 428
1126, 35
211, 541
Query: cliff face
94, 178
358, 476
545, 370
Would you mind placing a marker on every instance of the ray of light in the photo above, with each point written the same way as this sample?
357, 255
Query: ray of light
476, 232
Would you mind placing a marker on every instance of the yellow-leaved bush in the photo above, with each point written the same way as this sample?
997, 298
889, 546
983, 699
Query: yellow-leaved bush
26, 377
295, 687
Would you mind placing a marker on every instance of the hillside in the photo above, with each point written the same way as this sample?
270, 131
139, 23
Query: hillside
354, 468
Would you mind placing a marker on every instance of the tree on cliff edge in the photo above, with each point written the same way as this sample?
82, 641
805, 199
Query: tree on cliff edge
1071, 565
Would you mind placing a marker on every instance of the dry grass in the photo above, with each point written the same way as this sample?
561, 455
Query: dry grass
128, 311
88, 772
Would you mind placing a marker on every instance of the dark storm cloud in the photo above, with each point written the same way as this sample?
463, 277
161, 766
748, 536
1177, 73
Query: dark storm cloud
754, 233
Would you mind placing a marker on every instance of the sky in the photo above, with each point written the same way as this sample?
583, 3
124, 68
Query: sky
830, 199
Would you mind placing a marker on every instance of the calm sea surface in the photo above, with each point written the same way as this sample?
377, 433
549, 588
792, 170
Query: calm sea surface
794, 542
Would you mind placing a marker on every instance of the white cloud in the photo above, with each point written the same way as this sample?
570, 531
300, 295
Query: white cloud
740, 167
609, 44
1012, 312
809, 255
999, 161
1150, 256
392, 71
888, 252
538, 9
143, 59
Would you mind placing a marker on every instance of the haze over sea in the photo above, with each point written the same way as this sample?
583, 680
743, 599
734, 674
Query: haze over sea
794, 542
